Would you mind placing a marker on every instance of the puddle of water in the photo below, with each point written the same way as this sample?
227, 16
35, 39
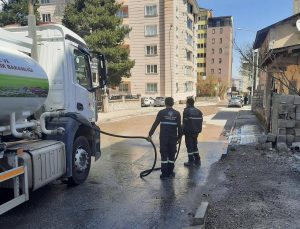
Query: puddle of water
246, 134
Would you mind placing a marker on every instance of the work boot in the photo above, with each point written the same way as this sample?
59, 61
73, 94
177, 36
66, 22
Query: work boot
197, 160
163, 176
190, 162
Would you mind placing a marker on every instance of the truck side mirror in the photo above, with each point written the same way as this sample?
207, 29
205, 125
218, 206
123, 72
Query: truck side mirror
102, 70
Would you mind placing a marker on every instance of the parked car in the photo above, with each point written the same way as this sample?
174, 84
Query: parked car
147, 102
235, 102
159, 102
241, 98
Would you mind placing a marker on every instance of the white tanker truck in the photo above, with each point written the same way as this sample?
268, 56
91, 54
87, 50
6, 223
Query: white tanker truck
47, 110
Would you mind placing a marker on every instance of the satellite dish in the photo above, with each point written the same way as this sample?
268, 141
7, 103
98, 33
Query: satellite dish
298, 24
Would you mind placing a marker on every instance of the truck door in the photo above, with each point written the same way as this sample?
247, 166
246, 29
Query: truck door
85, 100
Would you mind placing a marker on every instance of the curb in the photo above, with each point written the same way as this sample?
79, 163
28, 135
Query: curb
201, 213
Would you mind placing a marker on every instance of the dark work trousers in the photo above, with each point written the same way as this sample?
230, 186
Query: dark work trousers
167, 153
191, 143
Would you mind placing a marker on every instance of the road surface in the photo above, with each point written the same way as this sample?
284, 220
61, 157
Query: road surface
114, 196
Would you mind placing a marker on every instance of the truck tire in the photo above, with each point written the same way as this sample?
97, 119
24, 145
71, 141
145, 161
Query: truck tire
81, 163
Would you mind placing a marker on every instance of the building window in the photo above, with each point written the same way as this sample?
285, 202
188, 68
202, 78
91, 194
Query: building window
151, 87
213, 51
189, 8
220, 60
203, 45
202, 74
124, 87
199, 36
221, 30
213, 31
202, 65
150, 30
212, 71
203, 27
123, 12
189, 39
46, 17
221, 40
151, 11
213, 40
198, 46
151, 50
151, 69
198, 65
220, 70
188, 86
45, 1
189, 56
212, 60
189, 23
188, 71
220, 50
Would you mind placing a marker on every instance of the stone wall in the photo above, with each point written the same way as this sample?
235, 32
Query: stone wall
285, 119
121, 104
258, 107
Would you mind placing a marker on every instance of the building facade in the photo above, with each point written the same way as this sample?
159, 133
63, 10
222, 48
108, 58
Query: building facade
163, 44
202, 41
219, 49
52, 10
296, 6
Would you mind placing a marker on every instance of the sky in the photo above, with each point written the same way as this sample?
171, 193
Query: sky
249, 15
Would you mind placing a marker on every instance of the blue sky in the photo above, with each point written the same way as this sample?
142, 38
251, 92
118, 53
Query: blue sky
250, 15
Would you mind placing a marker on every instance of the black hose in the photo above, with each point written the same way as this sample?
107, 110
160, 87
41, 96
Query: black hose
148, 171
143, 173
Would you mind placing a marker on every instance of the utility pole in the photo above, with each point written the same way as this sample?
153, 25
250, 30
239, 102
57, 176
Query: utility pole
32, 29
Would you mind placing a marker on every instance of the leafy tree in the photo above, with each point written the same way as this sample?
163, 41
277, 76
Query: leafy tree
16, 11
97, 23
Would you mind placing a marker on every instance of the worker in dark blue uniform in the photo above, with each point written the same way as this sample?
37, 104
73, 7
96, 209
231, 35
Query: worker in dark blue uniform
192, 126
170, 133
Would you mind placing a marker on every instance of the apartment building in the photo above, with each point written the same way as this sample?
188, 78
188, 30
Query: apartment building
202, 41
219, 48
296, 6
52, 10
163, 44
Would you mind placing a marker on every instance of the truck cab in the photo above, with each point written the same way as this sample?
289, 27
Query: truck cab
58, 139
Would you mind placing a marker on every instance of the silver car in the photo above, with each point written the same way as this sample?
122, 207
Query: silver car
159, 102
235, 102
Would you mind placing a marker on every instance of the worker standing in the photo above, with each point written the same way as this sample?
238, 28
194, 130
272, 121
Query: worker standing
170, 133
192, 126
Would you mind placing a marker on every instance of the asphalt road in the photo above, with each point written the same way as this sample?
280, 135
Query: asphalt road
114, 196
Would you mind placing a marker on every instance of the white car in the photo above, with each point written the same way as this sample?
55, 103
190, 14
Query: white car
235, 102
147, 102
159, 102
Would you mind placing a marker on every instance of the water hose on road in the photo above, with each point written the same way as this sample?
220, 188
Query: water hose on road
143, 173
148, 171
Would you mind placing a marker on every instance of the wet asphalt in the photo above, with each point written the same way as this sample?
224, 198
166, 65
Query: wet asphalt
114, 196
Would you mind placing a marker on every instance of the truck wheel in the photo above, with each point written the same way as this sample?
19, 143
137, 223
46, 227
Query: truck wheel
81, 161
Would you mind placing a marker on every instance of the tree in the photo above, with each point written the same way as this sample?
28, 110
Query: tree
16, 11
97, 23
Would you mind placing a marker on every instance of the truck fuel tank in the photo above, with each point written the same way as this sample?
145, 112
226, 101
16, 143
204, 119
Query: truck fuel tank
24, 85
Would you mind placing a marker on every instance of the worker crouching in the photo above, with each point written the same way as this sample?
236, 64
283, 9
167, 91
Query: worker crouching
192, 126
170, 133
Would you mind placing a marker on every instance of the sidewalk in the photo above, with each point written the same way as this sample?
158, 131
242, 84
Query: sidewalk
252, 187
123, 114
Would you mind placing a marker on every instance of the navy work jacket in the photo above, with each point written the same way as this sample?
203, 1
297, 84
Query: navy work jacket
170, 123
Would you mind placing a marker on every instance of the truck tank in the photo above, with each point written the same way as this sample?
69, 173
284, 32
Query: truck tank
24, 85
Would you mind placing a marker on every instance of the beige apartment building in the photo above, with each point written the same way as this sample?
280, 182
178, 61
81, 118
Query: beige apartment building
163, 44
296, 6
219, 48
52, 10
